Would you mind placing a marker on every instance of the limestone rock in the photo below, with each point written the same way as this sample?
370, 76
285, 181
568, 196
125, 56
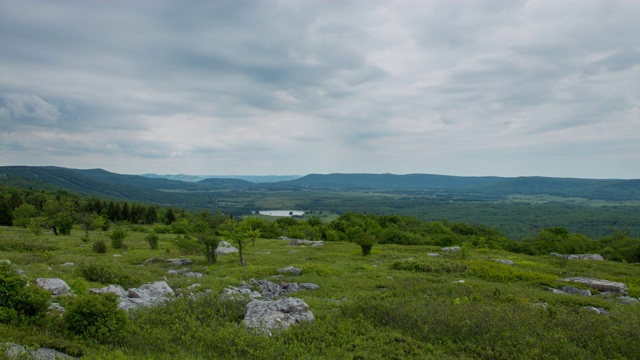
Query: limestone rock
309, 286
114, 289
290, 270
451, 249
147, 295
225, 248
267, 317
506, 262
601, 285
193, 274
628, 300
295, 242
14, 351
180, 261
601, 311
596, 257
56, 286
573, 290
67, 264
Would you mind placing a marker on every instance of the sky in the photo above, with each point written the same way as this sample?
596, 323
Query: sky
469, 88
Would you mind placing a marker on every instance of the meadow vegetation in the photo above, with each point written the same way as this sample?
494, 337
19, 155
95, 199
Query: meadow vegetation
400, 301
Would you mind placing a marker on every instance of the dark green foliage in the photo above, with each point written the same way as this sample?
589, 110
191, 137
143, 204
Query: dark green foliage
152, 238
207, 239
169, 217
17, 299
99, 246
26, 245
117, 237
429, 266
96, 318
106, 273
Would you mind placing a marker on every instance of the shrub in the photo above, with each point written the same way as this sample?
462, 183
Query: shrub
105, 274
17, 299
428, 266
493, 271
117, 237
187, 245
152, 238
96, 317
100, 246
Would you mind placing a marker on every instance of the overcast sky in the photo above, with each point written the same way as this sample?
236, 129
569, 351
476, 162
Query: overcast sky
508, 88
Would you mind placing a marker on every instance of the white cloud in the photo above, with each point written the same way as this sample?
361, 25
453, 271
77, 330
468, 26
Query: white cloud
295, 87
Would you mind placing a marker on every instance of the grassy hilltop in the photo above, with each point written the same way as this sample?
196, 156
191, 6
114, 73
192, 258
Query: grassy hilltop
399, 302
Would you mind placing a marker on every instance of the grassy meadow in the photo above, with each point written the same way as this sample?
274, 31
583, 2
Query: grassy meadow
398, 303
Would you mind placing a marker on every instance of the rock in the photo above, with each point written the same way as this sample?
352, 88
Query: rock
56, 286
309, 286
601, 311
56, 308
433, 254
506, 262
193, 274
20, 272
117, 255
295, 242
596, 257
225, 248
573, 290
194, 286
267, 317
146, 295
114, 289
8, 262
14, 351
556, 291
451, 249
601, 285
180, 261
290, 270
628, 300
67, 264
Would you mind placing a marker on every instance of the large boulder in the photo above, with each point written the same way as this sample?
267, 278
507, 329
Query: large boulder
267, 317
147, 295
114, 289
601, 285
56, 286
15, 351
225, 248
573, 290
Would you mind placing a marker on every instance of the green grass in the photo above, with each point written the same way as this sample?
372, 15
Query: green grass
399, 302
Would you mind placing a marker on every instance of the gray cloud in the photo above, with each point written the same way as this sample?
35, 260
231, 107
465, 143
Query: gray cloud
322, 86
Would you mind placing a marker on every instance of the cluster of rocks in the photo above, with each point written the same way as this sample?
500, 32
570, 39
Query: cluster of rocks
595, 257
609, 289
269, 316
15, 351
146, 295
601, 285
451, 249
257, 289
296, 242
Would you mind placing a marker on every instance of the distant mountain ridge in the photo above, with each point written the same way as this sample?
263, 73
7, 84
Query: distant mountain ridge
159, 189
256, 179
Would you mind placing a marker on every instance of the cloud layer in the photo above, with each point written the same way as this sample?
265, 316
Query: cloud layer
294, 87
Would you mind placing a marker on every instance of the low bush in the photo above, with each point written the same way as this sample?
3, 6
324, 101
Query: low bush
99, 246
428, 266
96, 318
152, 238
106, 274
117, 237
17, 298
493, 271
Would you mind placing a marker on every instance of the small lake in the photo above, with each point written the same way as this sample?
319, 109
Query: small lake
281, 212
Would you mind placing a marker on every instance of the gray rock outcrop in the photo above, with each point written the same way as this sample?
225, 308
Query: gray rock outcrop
225, 248
56, 286
146, 295
506, 262
451, 249
594, 257
267, 289
15, 351
290, 270
601, 285
295, 242
573, 290
267, 317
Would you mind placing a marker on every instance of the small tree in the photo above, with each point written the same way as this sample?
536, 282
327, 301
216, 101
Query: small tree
203, 232
366, 242
117, 237
97, 318
241, 234
152, 238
